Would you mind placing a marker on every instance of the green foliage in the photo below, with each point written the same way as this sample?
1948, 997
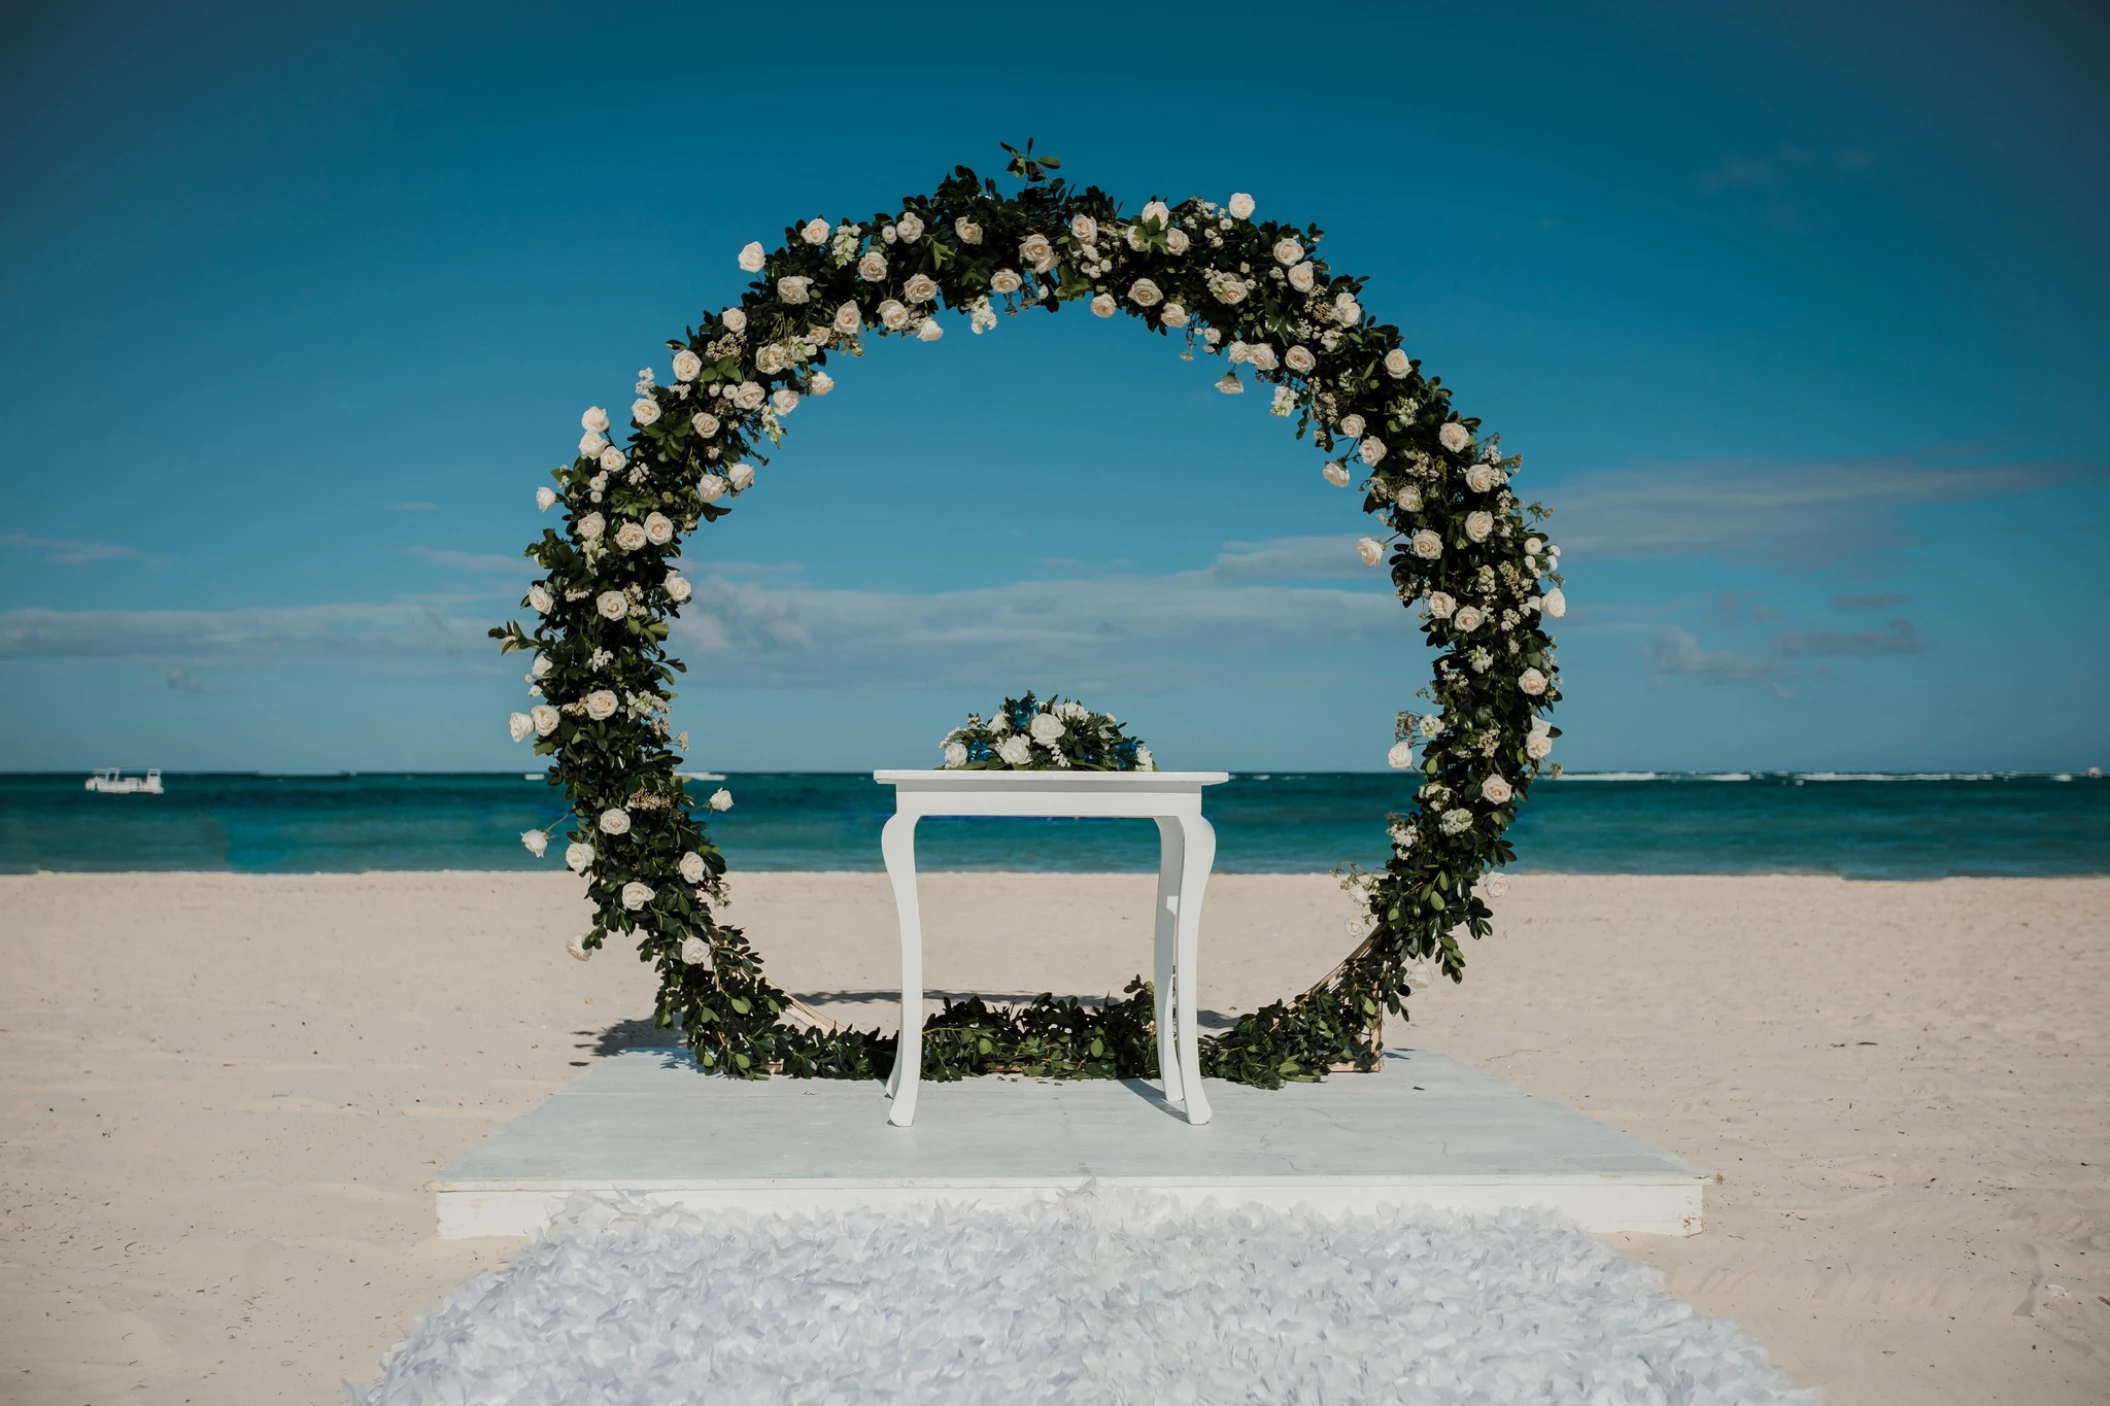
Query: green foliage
1025, 734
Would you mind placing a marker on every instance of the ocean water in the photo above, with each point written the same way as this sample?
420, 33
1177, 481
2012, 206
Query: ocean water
1860, 826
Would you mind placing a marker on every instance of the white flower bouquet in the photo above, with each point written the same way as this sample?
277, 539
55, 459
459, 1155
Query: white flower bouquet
1026, 734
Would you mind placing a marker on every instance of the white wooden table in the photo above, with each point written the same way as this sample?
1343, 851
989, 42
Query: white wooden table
1186, 852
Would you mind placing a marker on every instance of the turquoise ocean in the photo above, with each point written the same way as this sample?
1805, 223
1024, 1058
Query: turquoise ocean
1861, 826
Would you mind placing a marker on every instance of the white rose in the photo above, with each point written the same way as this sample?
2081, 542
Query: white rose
721, 800
577, 948
659, 529
1408, 499
1370, 550
612, 459
1174, 315
1300, 360
692, 867
1347, 311
644, 410
1479, 478
1046, 727
1015, 751
710, 488
577, 857
893, 315
1262, 356
687, 365
1230, 384
821, 384
930, 331
1288, 251
1534, 545
734, 319
741, 477
793, 290
1352, 426
545, 498
785, 399
770, 360
1555, 604
695, 951
955, 754
630, 537
522, 726
1441, 605
1397, 365
848, 319
1496, 790
1336, 474
677, 587
1532, 682
1479, 525
751, 258
1176, 241
1427, 545
613, 605
601, 704
1037, 253
591, 526
1085, 228
909, 226
540, 600
1468, 619
546, 719
1302, 277
1144, 294
815, 231
1005, 281
615, 821
748, 395
1538, 746
872, 267
1241, 206
968, 230
1229, 291
594, 421
1454, 436
636, 895
1401, 755
1103, 305
704, 423
920, 289
1371, 449
591, 445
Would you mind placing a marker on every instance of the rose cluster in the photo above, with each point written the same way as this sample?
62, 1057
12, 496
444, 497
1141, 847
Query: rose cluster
1026, 734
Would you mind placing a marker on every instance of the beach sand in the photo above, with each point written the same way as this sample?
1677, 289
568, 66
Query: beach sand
221, 1095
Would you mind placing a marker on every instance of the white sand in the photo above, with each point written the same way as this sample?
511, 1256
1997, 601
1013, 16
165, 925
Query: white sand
221, 1094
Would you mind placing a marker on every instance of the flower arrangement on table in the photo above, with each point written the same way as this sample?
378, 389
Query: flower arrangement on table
1026, 734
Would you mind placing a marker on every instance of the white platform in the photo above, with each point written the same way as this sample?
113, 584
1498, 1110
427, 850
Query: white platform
1426, 1131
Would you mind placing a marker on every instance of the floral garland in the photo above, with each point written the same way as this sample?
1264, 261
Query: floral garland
1459, 544
1028, 735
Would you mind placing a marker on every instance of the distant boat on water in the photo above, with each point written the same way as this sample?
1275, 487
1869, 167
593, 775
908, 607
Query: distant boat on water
110, 783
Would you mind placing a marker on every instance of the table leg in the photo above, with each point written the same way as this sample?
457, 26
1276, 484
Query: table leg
1171, 852
897, 845
1198, 841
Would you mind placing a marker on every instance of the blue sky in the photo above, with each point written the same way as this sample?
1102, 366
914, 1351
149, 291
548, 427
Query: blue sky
1797, 316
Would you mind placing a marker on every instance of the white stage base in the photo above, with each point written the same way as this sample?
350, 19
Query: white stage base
1427, 1131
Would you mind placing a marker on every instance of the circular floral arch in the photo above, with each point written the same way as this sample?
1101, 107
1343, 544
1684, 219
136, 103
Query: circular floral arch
1460, 546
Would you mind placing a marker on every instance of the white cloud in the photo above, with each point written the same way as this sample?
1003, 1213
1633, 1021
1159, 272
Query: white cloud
260, 636
66, 550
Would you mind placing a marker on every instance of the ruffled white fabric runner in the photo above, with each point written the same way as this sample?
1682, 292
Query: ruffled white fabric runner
1097, 1298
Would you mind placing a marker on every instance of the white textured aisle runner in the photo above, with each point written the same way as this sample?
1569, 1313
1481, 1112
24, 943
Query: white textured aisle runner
1099, 1297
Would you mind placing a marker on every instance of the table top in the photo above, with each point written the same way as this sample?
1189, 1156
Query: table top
936, 778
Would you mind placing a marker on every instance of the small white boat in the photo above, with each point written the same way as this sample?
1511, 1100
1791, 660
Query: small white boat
110, 783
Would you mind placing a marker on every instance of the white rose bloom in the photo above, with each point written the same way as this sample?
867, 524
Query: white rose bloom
793, 290
751, 258
1046, 727
692, 867
721, 800
821, 384
955, 755
577, 948
630, 537
659, 529
594, 421
1534, 545
1441, 605
1370, 550
591, 445
677, 587
1468, 619
893, 315
615, 821
1230, 384
909, 227
1262, 356
522, 726
741, 477
1454, 436
540, 600
1300, 360
1408, 499
577, 857
1015, 751
872, 267
1555, 604
968, 230
1397, 364
848, 319
687, 365
1303, 277
785, 399
815, 231
601, 704
1479, 478
734, 319
1532, 682
1496, 790
1352, 426
644, 410
920, 289
1371, 449
1174, 315
710, 488
1538, 746
1144, 294
1288, 251
636, 895
1336, 474
546, 719
770, 360
612, 459
695, 951
749, 395
704, 423
613, 605
545, 498
1103, 305
1427, 545
1401, 755
1005, 281
930, 331
1241, 206
1176, 242
1085, 228
1037, 253
591, 526
1479, 525
1229, 291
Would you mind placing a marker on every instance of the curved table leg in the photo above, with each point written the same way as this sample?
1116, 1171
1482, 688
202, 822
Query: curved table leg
897, 844
1171, 855
1199, 843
